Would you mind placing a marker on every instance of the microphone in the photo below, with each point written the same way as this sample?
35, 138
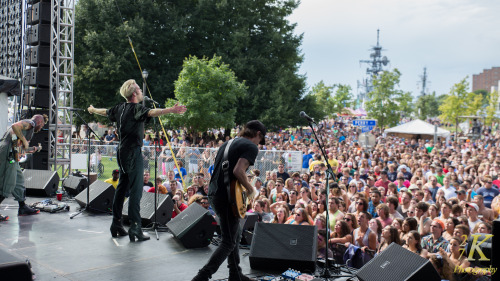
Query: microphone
146, 98
304, 115
75, 109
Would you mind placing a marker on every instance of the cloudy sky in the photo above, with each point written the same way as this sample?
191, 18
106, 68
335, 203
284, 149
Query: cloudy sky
452, 38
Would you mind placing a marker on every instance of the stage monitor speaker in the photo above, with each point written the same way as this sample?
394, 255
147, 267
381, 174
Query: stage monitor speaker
13, 268
164, 209
396, 263
74, 185
38, 13
194, 227
38, 35
40, 183
38, 56
247, 228
283, 246
37, 77
37, 97
100, 197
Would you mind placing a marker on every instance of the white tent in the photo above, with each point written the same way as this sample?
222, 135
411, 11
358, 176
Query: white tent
417, 128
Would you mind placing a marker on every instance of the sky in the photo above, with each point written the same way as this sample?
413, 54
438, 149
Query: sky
453, 39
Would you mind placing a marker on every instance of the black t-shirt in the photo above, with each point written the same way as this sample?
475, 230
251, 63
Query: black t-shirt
240, 148
283, 175
129, 118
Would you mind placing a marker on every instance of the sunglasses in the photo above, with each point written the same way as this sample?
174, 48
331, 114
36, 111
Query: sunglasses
347, 219
360, 203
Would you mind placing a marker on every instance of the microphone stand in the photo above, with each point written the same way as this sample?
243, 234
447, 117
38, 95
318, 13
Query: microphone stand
155, 225
89, 130
326, 275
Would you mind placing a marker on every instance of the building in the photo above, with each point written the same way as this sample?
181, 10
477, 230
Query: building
486, 80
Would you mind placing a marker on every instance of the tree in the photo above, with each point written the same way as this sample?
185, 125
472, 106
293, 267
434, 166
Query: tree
210, 91
460, 102
385, 102
427, 106
491, 109
323, 96
343, 98
253, 37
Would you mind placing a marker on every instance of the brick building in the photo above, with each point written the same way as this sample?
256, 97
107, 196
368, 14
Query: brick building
486, 79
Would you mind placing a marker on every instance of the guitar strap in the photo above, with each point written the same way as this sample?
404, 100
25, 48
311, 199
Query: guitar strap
225, 169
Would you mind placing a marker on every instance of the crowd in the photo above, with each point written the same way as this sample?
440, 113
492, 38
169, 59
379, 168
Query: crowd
427, 196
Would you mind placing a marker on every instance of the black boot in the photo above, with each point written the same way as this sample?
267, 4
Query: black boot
117, 229
136, 231
25, 210
201, 276
1, 199
238, 276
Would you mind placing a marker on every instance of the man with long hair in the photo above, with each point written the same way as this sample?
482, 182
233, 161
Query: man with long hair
241, 155
16, 138
130, 117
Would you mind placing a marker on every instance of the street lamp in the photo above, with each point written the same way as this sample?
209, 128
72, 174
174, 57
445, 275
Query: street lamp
144, 77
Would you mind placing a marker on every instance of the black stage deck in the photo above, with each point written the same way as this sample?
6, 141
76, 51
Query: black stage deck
82, 248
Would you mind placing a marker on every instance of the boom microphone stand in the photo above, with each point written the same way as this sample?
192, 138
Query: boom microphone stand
155, 225
326, 275
89, 130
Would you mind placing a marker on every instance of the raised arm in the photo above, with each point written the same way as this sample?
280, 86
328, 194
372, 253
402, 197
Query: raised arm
177, 109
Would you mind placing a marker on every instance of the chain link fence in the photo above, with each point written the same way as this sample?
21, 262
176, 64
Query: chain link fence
193, 159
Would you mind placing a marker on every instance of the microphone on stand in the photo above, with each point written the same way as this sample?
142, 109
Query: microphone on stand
146, 98
75, 109
304, 115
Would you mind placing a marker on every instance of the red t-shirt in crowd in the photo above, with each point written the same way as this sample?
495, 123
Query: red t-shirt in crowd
182, 207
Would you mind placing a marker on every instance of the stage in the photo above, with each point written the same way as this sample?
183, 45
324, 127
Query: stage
60, 248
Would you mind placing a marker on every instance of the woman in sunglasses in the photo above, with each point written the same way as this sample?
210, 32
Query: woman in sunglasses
300, 217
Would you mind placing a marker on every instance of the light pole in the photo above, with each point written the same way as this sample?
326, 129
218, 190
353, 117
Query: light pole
144, 77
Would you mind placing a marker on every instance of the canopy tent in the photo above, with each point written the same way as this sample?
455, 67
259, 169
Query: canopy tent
417, 129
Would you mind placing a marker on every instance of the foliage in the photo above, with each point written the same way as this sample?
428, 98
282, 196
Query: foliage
210, 92
386, 103
253, 37
343, 98
460, 102
427, 106
327, 103
491, 109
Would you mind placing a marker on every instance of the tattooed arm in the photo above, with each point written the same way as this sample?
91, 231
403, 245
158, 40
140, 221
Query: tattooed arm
18, 128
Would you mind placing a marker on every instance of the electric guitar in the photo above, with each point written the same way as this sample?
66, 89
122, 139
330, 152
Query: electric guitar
21, 152
239, 199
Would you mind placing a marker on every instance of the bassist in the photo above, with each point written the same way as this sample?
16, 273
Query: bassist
241, 155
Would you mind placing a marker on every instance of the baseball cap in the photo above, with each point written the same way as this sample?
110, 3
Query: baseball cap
413, 186
116, 171
460, 191
258, 126
473, 205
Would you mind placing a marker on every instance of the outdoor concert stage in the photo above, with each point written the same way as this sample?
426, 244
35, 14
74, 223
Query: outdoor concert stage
60, 248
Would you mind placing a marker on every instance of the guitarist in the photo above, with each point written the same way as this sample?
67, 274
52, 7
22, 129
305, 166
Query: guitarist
241, 155
15, 139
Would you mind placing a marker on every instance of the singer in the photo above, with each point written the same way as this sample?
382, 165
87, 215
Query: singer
17, 138
130, 117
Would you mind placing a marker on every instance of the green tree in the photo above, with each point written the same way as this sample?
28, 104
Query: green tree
427, 106
385, 102
210, 92
460, 102
254, 38
343, 98
491, 109
323, 97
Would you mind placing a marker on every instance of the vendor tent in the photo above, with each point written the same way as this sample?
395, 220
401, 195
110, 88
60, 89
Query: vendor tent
417, 129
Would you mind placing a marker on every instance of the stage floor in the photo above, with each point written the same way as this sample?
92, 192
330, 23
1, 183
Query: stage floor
60, 248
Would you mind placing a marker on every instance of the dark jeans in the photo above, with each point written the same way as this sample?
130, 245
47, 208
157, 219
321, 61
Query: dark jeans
131, 180
231, 236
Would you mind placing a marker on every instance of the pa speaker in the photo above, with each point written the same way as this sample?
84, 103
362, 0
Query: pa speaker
38, 35
283, 246
40, 183
37, 77
38, 56
74, 185
100, 197
39, 13
40, 160
164, 208
247, 228
396, 263
38, 97
194, 227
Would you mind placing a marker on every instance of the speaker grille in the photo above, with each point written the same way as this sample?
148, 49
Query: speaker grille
165, 207
396, 264
40, 182
194, 227
282, 246
100, 197
74, 185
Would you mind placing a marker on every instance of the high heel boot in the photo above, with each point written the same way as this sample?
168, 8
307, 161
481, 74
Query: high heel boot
136, 231
117, 229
